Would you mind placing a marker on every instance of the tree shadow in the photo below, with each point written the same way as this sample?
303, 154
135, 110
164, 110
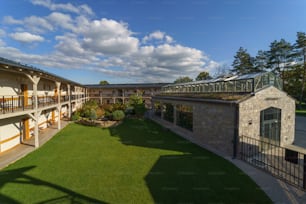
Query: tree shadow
146, 133
194, 175
19, 176
199, 179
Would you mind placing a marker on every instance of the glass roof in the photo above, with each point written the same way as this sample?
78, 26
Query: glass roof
246, 83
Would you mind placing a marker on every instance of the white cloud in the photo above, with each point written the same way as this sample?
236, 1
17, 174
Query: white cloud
82, 9
37, 24
26, 37
2, 33
32, 23
108, 37
11, 20
105, 45
159, 36
61, 20
69, 45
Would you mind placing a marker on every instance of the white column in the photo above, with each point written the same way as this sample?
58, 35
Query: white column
162, 110
35, 81
58, 85
69, 99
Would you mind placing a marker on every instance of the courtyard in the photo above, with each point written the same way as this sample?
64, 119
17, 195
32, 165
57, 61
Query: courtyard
135, 162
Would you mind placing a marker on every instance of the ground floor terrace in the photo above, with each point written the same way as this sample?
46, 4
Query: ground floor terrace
19, 123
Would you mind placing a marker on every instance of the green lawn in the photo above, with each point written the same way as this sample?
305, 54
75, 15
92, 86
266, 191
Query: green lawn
135, 162
301, 112
301, 109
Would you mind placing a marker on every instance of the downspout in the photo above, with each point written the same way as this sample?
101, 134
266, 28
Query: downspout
236, 131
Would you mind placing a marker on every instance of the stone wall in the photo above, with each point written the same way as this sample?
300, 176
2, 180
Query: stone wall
249, 113
214, 125
213, 122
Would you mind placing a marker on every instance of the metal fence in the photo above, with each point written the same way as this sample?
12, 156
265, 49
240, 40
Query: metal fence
286, 164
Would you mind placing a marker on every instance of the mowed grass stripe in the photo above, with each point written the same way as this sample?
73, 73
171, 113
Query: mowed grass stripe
135, 162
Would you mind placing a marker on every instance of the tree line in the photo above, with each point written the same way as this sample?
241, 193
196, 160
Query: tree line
286, 60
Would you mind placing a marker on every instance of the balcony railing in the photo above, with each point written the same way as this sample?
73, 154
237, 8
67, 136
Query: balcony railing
11, 104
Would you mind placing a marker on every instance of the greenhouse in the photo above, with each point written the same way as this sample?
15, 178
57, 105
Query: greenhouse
248, 83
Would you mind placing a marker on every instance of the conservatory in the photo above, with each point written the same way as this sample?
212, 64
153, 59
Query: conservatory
248, 83
219, 111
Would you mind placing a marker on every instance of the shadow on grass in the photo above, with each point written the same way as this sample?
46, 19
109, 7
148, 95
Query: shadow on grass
146, 133
19, 176
196, 176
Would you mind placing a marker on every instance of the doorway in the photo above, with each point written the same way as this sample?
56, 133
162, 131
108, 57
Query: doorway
26, 129
24, 91
270, 126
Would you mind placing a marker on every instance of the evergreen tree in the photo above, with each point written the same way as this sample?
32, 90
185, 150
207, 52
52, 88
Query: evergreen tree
300, 53
261, 61
279, 56
242, 62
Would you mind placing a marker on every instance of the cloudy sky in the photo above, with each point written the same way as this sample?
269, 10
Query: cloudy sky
125, 41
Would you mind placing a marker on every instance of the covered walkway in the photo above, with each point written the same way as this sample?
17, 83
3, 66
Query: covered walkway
28, 146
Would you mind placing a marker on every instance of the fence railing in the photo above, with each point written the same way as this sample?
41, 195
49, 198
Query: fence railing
286, 164
10, 104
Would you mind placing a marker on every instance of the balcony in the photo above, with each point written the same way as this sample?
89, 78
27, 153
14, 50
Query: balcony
17, 103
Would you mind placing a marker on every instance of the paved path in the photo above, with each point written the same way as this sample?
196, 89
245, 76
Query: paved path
22, 150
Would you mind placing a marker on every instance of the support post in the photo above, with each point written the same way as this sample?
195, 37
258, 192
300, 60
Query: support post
162, 110
69, 99
58, 85
35, 81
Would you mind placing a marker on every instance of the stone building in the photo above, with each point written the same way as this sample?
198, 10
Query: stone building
218, 112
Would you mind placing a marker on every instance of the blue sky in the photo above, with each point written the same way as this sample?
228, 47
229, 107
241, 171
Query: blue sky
140, 40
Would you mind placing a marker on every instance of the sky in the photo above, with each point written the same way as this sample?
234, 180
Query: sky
142, 41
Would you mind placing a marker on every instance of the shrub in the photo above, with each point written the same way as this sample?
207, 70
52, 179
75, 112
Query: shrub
92, 115
118, 106
100, 112
130, 111
118, 115
107, 107
109, 115
75, 116
140, 110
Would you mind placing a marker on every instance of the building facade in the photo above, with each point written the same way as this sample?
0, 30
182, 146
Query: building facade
218, 112
120, 93
32, 99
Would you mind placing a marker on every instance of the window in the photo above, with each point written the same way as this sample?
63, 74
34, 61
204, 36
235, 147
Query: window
270, 125
184, 116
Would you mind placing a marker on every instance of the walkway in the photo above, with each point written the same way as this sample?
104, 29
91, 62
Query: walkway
22, 150
279, 191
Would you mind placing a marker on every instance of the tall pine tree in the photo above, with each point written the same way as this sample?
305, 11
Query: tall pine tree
280, 58
243, 63
261, 61
300, 52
